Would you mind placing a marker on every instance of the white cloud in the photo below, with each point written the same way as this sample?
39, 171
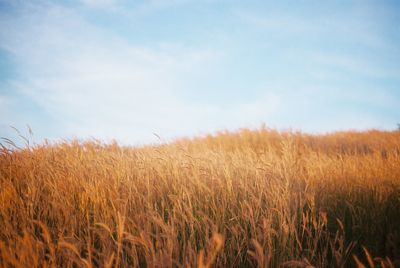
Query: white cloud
353, 65
100, 3
92, 82
352, 25
97, 84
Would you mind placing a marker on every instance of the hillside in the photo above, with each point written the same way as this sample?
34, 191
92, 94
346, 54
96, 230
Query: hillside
251, 198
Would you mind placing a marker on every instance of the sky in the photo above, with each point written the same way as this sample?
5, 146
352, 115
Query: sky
124, 70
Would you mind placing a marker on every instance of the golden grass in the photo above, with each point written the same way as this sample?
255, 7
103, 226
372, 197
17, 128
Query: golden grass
245, 199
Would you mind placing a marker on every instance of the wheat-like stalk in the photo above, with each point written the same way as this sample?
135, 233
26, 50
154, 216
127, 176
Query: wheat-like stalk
251, 198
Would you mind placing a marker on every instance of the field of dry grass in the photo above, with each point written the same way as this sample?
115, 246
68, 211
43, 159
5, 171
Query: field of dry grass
246, 199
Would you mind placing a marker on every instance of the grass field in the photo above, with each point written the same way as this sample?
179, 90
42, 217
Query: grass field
251, 198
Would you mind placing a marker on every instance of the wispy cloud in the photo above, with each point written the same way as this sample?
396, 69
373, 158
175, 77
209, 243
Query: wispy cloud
95, 83
100, 3
349, 63
78, 78
339, 25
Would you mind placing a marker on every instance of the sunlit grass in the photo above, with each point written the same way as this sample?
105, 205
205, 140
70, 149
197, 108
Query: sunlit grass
250, 198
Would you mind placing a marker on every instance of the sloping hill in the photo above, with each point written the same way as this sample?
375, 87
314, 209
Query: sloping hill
249, 198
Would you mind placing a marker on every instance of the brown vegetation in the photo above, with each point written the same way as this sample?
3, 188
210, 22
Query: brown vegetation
251, 198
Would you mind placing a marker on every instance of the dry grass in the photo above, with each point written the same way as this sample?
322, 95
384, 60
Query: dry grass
251, 198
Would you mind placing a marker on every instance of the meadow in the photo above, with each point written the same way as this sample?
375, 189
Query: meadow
250, 198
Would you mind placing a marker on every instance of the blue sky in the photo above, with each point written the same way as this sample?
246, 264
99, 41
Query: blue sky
127, 69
